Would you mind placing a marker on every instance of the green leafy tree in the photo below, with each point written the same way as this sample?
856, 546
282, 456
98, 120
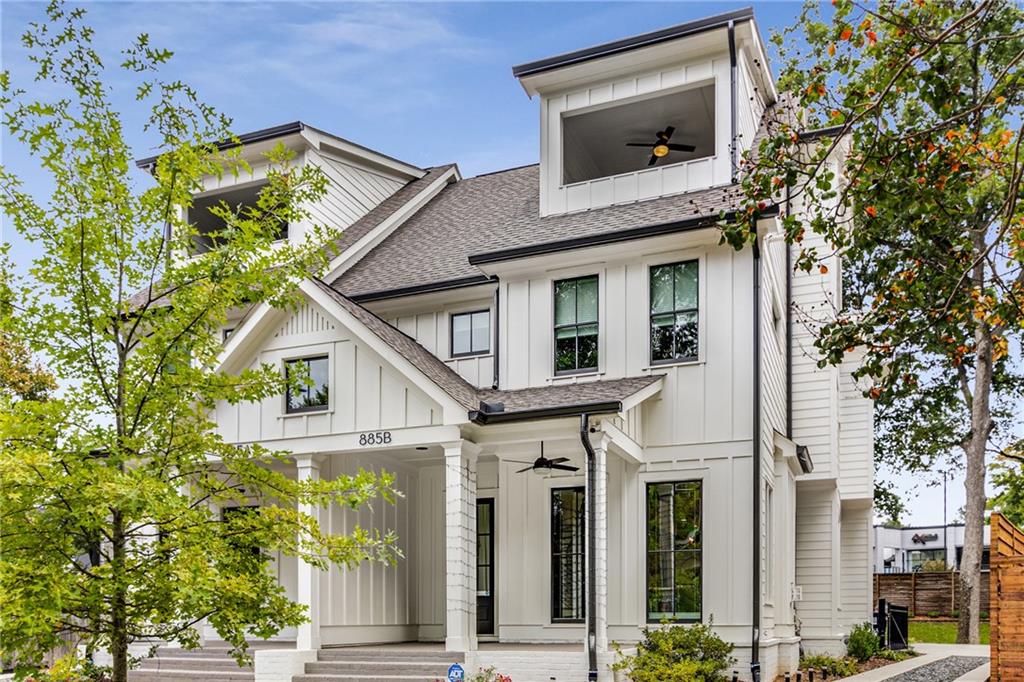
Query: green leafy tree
1008, 480
111, 490
926, 97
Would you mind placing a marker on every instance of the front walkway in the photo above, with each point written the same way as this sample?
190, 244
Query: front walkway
930, 653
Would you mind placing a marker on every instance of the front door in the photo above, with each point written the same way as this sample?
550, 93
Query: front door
485, 566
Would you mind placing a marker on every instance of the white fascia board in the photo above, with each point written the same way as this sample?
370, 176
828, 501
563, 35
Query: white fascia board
786, 450
353, 254
764, 72
454, 413
319, 139
643, 394
243, 338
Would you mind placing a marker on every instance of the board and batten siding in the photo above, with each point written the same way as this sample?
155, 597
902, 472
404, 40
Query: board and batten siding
432, 330
373, 601
674, 178
366, 393
706, 401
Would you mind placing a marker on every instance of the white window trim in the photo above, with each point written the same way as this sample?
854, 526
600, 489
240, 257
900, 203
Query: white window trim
699, 255
300, 353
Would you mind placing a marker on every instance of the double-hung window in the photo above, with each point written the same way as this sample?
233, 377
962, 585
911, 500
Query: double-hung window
312, 392
576, 325
674, 551
568, 554
674, 312
471, 333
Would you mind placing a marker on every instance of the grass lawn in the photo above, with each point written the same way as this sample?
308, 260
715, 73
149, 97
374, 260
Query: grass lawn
934, 632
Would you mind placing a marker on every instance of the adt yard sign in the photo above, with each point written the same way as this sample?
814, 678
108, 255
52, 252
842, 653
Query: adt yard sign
456, 673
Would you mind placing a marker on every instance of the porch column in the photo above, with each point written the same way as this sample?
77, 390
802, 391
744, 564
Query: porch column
460, 545
308, 587
600, 548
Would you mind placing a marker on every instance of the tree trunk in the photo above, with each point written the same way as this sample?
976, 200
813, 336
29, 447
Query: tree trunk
974, 485
118, 604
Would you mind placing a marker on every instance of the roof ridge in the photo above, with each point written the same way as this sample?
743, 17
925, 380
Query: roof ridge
503, 170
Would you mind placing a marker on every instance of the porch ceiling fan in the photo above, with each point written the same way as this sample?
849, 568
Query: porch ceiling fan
542, 463
661, 145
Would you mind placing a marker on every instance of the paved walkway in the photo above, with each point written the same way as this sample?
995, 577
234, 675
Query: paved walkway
930, 653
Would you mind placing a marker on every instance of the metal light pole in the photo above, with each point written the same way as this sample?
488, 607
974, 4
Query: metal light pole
945, 527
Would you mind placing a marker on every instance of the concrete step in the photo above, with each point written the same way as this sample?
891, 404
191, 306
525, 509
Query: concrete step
363, 677
168, 662
413, 668
389, 654
190, 676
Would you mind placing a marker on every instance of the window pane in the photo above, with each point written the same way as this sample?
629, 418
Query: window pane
317, 395
565, 302
685, 333
662, 337
567, 553
565, 349
586, 300
481, 332
674, 550
661, 289
461, 334
587, 347
686, 285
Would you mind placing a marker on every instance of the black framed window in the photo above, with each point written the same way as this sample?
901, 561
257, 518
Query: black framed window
313, 392
576, 324
568, 554
471, 333
674, 551
674, 312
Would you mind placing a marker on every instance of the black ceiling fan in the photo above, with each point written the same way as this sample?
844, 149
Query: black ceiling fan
661, 145
543, 462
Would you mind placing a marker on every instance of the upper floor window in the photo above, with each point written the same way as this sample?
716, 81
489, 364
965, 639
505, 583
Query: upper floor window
313, 393
209, 226
576, 324
471, 333
654, 131
674, 312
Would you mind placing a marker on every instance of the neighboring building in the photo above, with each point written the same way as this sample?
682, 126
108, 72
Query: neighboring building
490, 339
904, 550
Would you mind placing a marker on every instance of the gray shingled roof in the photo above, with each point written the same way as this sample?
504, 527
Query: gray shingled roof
470, 397
501, 211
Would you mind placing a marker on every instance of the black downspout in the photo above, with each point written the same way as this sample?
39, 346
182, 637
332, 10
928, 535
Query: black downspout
733, 146
497, 336
755, 606
789, 331
591, 495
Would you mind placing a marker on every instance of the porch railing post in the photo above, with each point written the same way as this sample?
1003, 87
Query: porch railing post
308, 585
460, 545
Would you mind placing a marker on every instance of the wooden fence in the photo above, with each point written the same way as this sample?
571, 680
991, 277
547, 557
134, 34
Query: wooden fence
927, 594
1007, 609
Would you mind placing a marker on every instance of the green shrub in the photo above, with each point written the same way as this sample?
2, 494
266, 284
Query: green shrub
863, 642
679, 653
836, 667
896, 656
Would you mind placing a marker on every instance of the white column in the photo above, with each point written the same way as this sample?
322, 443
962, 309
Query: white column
460, 545
600, 548
308, 589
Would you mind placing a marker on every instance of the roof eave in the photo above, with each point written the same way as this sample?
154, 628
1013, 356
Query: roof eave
557, 412
253, 137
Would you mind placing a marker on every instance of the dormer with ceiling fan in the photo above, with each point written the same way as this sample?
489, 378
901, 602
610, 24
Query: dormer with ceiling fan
662, 113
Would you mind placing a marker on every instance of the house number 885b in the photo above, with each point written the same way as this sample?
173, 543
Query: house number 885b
377, 438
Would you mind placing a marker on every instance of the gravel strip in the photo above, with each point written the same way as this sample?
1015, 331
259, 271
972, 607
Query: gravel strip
943, 670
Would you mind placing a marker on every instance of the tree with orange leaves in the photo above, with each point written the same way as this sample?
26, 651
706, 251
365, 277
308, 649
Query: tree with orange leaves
926, 208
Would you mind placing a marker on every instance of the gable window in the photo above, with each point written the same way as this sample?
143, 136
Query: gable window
209, 227
674, 312
576, 325
674, 551
312, 393
568, 553
471, 333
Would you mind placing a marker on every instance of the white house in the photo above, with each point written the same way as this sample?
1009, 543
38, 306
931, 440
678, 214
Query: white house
600, 417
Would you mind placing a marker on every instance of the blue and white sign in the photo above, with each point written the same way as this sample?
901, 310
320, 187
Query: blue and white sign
456, 673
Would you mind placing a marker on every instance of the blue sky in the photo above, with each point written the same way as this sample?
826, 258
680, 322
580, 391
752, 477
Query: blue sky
429, 83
